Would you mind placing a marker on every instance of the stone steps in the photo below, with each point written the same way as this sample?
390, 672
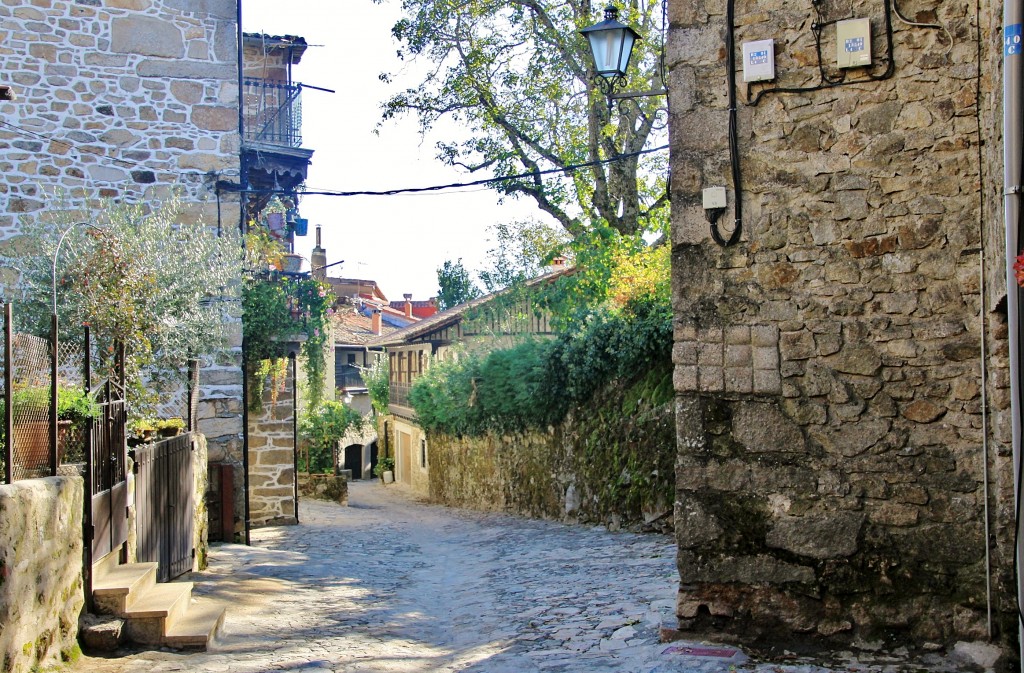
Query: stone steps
156, 614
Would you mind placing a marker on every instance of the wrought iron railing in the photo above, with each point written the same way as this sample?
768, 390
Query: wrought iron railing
272, 112
349, 377
399, 393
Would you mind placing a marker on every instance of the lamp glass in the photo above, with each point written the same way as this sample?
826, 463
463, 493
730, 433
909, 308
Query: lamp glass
611, 44
611, 48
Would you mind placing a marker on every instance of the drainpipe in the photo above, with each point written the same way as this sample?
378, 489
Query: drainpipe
1013, 42
243, 181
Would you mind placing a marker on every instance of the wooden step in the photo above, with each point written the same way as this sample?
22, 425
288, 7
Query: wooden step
117, 589
199, 627
155, 613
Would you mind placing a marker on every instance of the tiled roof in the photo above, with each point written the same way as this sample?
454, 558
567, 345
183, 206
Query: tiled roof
355, 329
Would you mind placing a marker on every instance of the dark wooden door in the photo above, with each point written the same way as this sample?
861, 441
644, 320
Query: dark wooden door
164, 486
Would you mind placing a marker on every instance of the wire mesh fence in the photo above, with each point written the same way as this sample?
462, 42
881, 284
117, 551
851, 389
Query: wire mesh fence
29, 453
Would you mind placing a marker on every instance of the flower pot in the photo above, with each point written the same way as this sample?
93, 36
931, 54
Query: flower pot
291, 263
388, 477
301, 226
32, 444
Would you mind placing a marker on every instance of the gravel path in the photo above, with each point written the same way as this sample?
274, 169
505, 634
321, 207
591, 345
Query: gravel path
391, 585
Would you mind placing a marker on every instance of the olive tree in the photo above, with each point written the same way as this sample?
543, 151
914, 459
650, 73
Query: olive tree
163, 284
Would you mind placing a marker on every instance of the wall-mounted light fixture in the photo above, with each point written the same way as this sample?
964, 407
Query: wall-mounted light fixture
611, 46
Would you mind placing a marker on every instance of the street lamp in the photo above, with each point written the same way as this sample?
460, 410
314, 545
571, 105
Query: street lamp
611, 46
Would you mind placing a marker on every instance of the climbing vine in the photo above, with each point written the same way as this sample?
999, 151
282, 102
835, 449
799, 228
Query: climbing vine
277, 308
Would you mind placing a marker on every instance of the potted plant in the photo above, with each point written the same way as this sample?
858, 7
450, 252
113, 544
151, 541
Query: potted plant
385, 469
31, 408
169, 427
141, 431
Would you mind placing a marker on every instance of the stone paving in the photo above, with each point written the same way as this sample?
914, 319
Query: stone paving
392, 585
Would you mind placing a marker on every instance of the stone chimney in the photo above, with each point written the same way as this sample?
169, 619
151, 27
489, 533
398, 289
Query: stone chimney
408, 305
375, 322
318, 259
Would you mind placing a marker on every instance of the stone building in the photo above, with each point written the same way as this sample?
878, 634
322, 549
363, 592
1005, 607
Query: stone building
124, 100
844, 466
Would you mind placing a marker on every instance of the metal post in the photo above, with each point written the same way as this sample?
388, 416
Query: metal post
8, 395
53, 394
295, 431
87, 530
1013, 151
245, 441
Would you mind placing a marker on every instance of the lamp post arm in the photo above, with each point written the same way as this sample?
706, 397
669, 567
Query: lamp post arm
56, 253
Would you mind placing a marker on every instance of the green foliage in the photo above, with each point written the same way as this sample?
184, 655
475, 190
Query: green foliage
535, 383
73, 404
377, 379
518, 78
323, 426
277, 307
153, 277
385, 464
521, 251
454, 285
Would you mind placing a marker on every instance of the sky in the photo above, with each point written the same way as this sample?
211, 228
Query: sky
398, 241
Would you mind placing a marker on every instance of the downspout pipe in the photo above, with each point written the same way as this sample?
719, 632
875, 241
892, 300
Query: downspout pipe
243, 180
1013, 157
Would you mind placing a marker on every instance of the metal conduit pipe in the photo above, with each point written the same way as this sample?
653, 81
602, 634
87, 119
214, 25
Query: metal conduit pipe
1013, 17
984, 438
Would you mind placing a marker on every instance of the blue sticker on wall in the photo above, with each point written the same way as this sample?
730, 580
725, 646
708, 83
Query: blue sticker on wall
1011, 40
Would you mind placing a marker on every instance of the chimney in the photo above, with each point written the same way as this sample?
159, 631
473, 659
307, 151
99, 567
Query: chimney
318, 259
375, 322
408, 305
557, 264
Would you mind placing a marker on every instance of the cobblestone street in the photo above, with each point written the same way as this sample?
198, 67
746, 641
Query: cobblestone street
388, 584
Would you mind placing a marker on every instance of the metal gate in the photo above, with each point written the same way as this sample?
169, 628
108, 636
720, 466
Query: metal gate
108, 486
164, 483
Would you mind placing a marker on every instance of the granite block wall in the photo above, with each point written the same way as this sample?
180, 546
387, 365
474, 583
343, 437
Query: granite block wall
833, 435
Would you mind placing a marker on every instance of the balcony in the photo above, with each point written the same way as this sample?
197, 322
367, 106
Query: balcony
399, 394
272, 112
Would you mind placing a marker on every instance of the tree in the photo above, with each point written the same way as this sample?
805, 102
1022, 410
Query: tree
151, 277
518, 75
454, 285
521, 251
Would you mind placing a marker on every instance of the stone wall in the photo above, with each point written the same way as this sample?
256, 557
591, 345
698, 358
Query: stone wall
40, 572
124, 99
610, 464
324, 487
831, 439
272, 458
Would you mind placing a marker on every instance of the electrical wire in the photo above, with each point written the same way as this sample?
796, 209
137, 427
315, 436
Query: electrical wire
938, 26
734, 151
826, 81
453, 185
82, 148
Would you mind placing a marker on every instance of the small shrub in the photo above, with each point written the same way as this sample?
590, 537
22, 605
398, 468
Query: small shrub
385, 464
322, 426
